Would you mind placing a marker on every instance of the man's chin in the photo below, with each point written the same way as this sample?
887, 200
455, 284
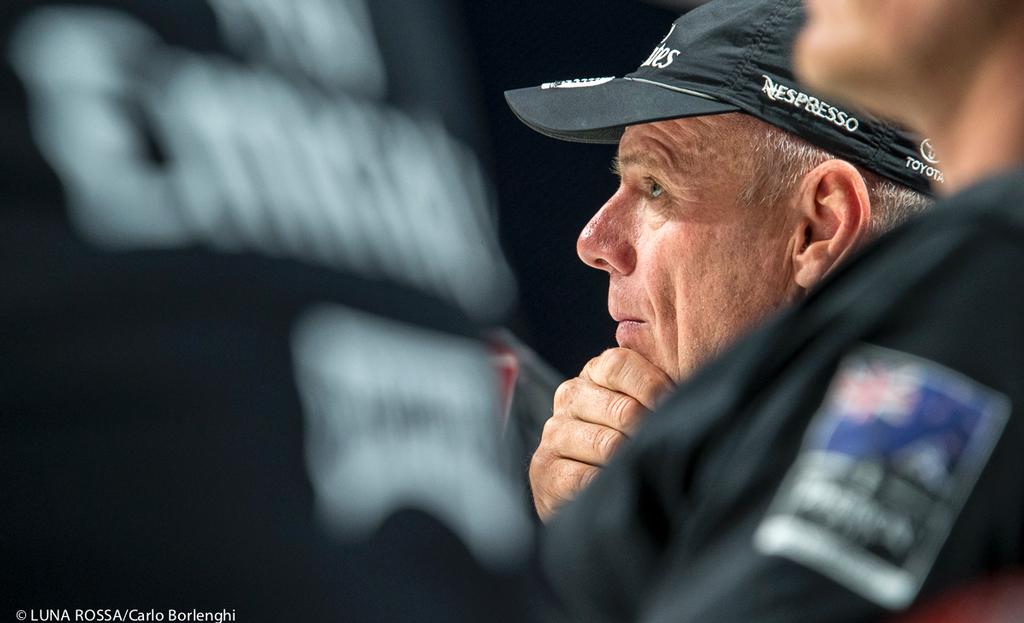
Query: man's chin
635, 339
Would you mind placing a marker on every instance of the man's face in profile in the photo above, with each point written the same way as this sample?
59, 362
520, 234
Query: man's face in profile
691, 265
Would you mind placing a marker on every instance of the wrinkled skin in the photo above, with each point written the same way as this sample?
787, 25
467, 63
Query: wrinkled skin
691, 266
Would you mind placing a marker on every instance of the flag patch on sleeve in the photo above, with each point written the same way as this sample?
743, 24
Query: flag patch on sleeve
884, 470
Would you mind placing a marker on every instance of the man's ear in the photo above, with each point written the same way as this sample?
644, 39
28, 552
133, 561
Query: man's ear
833, 217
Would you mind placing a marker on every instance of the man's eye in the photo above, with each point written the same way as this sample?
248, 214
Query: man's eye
655, 190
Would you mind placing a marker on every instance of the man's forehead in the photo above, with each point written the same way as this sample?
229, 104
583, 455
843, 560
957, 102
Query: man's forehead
667, 145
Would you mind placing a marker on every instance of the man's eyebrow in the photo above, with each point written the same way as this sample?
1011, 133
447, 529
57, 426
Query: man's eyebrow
635, 158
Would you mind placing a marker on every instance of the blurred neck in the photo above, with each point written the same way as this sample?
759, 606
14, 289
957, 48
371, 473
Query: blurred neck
980, 133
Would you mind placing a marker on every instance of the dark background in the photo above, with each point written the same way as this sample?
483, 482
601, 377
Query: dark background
144, 391
548, 189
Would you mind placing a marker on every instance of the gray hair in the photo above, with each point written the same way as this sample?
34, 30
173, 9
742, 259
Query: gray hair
779, 160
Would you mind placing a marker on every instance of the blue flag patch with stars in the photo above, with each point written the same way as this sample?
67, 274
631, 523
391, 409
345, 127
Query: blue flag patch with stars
885, 468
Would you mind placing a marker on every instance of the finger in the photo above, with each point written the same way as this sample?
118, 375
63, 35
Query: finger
582, 399
562, 481
585, 442
627, 371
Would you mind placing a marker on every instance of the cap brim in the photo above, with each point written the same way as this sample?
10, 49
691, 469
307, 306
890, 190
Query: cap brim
599, 113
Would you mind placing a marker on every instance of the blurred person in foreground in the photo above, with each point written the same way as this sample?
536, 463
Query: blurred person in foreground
938, 68
241, 380
735, 199
860, 454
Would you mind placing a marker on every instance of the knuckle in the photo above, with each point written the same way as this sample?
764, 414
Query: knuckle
615, 359
565, 393
616, 367
535, 462
550, 431
624, 410
561, 394
607, 442
591, 366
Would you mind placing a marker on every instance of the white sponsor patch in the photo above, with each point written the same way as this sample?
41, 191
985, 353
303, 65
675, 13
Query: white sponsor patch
928, 152
885, 468
401, 417
784, 94
577, 83
927, 167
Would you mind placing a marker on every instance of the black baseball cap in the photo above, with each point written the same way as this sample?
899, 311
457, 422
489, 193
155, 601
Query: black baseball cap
726, 56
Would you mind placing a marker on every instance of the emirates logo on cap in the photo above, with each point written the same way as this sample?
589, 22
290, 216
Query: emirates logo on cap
662, 56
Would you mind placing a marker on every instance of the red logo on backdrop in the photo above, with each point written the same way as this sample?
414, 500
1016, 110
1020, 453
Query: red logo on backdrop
506, 364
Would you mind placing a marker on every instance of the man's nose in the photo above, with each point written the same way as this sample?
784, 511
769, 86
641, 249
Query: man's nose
606, 241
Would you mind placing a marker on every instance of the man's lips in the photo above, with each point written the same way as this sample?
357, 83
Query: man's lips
623, 316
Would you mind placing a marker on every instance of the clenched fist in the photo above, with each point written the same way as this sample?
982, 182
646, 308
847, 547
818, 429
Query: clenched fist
593, 413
